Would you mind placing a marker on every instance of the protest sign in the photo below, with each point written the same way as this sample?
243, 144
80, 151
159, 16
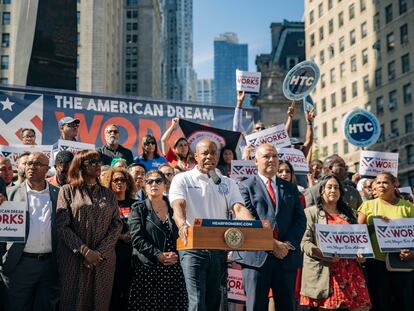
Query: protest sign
346, 241
248, 82
241, 169
309, 105
296, 158
406, 190
301, 80
394, 235
361, 128
13, 221
12, 152
276, 136
74, 146
372, 163
235, 290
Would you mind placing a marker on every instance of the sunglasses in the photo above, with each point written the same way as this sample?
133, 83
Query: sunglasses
92, 162
72, 125
150, 181
149, 143
113, 132
119, 180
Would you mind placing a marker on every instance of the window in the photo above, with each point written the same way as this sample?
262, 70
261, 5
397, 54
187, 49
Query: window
324, 129
341, 44
391, 70
323, 82
362, 5
324, 152
354, 89
364, 56
78, 38
6, 18
340, 19
77, 61
343, 95
405, 63
382, 135
364, 30
333, 100
392, 100
390, 42
311, 17
368, 106
128, 75
4, 62
378, 77
320, 33
410, 155
322, 57
5, 40
4, 81
342, 69
6, 1
365, 83
394, 128
320, 9
351, 10
353, 63
132, 14
377, 24
334, 126
402, 5
323, 105
330, 26
346, 146
408, 122
312, 39
330, 4
331, 51
301, 42
407, 94
132, 2
78, 17
404, 34
352, 37
332, 75
335, 148
388, 13
380, 105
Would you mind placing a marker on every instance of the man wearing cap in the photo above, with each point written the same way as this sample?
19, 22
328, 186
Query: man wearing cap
112, 149
68, 128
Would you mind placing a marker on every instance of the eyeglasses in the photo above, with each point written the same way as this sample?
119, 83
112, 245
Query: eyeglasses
119, 180
334, 187
150, 181
112, 132
287, 171
72, 125
92, 162
35, 164
149, 143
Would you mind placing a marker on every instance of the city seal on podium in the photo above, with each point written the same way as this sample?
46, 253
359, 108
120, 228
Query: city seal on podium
234, 238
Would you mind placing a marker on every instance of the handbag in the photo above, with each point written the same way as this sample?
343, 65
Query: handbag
393, 263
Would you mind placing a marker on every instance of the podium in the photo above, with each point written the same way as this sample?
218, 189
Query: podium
223, 234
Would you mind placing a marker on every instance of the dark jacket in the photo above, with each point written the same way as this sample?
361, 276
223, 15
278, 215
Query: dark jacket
148, 237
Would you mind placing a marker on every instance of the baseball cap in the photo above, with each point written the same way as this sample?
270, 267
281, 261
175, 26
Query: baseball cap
67, 120
296, 141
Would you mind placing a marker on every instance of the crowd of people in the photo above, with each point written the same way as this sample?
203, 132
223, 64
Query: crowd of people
102, 227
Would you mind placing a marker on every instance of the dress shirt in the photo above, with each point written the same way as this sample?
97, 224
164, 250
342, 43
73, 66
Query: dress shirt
39, 239
274, 186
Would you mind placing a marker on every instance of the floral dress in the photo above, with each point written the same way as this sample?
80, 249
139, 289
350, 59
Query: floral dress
348, 288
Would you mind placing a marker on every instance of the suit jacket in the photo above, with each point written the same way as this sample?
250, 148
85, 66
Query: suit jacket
288, 217
15, 250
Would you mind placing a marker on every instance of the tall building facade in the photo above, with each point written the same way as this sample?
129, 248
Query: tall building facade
178, 76
229, 55
142, 54
205, 90
288, 49
365, 53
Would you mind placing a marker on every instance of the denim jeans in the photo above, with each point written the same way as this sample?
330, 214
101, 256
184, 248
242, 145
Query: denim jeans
203, 273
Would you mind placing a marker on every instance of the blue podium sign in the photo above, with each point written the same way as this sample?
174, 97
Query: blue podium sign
361, 128
301, 80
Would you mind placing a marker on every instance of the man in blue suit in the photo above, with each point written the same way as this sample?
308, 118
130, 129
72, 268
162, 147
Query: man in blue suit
271, 198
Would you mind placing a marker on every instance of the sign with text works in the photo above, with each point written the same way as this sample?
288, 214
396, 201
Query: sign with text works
301, 80
235, 290
296, 158
242, 169
74, 146
345, 241
12, 152
371, 163
248, 82
361, 128
13, 221
276, 136
394, 235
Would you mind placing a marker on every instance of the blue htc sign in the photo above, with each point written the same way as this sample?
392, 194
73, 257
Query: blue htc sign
361, 128
301, 80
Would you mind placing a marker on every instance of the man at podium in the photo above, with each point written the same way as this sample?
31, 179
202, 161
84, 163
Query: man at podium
201, 193
270, 198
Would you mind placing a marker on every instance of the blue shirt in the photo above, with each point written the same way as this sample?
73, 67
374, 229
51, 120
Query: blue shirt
152, 164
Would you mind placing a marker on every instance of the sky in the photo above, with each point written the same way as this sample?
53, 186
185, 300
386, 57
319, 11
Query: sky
250, 19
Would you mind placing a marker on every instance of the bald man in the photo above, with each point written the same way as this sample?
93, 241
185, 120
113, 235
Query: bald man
200, 193
29, 269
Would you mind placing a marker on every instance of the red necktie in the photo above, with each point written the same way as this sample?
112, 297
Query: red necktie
271, 192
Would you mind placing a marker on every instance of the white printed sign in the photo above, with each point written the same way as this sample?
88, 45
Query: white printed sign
248, 81
346, 241
394, 235
406, 190
276, 136
74, 146
296, 158
12, 152
242, 168
235, 290
13, 221
372, 163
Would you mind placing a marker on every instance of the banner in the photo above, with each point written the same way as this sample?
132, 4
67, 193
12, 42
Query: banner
248, 81
41, 109
394, 235
372, 163
296, 158
345, 241
74, 146
276, 136
235, 290
242, 169
13, 221
12, 152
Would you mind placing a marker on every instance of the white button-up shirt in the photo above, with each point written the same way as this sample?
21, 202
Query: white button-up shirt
274, 186
39, 239
204, 199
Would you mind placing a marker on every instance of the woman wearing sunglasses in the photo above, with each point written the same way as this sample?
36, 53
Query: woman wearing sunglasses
89, 226
150, 157
157, 281
122, 184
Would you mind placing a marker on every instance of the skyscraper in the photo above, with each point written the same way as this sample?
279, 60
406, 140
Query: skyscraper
205, 90
229, 55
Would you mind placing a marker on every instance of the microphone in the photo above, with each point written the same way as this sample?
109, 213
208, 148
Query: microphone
213, 175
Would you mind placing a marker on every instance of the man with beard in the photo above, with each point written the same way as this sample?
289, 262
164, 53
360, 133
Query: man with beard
112, 148
21, 166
